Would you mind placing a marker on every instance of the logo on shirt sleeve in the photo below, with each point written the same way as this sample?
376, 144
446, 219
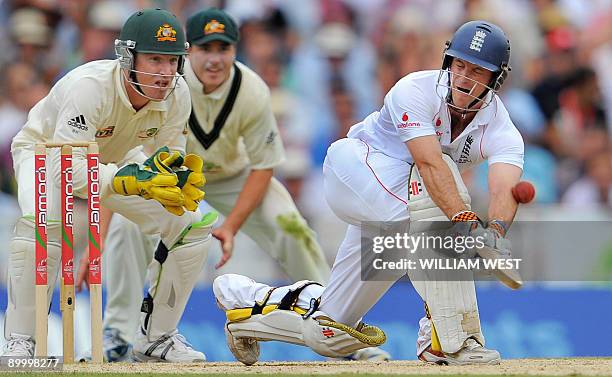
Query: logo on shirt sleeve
270, 138
78, 123
406, 124
105, 132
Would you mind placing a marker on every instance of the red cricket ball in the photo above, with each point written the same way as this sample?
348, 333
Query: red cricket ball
523, 192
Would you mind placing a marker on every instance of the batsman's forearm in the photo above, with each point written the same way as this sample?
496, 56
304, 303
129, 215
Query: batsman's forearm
441, 187
250, 197
502, 177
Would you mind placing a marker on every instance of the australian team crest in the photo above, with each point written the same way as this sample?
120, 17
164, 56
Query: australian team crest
214, 26
166, 33
148, 133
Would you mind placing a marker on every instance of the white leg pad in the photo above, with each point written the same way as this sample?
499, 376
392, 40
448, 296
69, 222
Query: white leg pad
453, 310
281, 325
20, 312
173, 279
452, 304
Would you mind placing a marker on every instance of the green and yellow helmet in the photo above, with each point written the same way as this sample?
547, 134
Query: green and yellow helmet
152, 31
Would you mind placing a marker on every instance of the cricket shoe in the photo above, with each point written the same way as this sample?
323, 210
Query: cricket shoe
471, 353
19, 346
168, 348
369, 354
245, 350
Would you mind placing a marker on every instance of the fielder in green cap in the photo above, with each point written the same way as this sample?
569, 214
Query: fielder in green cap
137, 102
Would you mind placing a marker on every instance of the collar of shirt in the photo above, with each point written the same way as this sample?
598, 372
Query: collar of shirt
196, 85
120, 84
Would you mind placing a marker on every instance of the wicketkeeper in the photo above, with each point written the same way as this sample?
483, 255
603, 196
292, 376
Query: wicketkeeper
139, 98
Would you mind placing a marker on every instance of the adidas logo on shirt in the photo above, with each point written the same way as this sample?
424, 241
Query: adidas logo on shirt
78, 122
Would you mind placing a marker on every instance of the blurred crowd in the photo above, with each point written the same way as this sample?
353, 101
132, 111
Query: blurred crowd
329, 63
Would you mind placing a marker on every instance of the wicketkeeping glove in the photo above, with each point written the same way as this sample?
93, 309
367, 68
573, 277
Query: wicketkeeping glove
164, 160
190, 180
160, 185
189, 172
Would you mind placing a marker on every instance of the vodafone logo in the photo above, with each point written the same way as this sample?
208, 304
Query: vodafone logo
438, 122
406, 124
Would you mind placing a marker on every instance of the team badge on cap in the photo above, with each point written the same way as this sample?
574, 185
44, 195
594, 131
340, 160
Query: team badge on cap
214, 26
166, 33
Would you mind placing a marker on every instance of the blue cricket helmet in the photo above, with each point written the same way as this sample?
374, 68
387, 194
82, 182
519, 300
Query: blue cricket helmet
484, 44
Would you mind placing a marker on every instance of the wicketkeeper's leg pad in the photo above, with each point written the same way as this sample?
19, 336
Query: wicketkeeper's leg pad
174, 272
21, 308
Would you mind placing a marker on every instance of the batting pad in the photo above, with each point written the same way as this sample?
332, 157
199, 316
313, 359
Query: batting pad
332, 339
422, 207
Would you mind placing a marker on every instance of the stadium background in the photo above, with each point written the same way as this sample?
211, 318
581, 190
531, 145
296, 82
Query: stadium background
328, 64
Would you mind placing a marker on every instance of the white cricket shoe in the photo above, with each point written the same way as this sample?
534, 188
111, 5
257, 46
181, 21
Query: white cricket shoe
245, 350
369, 354
168, 348
471, 353
19, 346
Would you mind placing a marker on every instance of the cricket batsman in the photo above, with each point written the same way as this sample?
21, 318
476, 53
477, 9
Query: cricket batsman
403, 163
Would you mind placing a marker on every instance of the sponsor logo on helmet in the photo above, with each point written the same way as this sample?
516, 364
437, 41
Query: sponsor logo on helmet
148, 133
166, 33
214, 26
105, 132
478, 40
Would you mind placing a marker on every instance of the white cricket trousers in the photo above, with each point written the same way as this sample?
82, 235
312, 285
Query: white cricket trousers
361, 184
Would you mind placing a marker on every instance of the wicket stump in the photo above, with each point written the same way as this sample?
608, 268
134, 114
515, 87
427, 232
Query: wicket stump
67, 266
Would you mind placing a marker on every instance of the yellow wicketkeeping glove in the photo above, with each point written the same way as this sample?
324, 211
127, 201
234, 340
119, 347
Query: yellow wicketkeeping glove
189, 173
133, 179
164, 160
190, 180
158, 183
